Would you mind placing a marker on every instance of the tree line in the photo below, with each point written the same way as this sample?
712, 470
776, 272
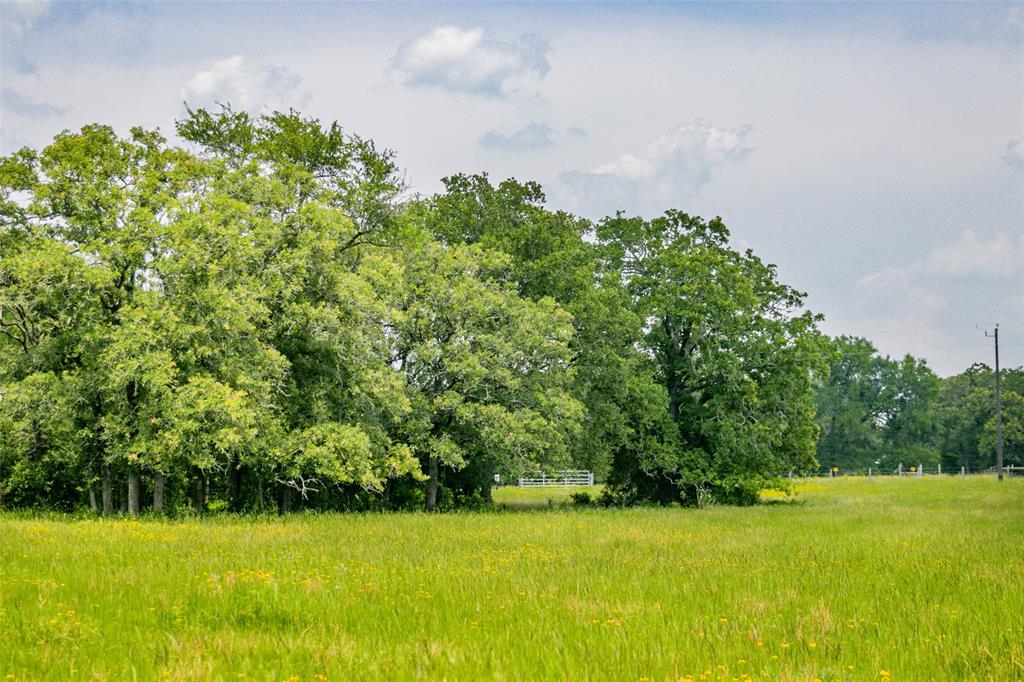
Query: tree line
878, 412
261, 317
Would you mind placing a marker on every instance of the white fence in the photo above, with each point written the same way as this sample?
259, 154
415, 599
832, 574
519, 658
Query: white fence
919, 470
563, 478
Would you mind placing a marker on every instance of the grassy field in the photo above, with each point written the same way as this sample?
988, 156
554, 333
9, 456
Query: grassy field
883, 579
526, 498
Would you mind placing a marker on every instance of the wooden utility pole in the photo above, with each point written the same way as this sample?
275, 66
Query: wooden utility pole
999, 409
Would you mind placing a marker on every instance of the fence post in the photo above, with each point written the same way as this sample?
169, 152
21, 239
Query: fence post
899, 470
869, 472
963, 471
920, 470
940, 468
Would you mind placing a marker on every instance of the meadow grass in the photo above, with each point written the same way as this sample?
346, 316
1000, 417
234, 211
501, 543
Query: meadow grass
912, 579
515, 497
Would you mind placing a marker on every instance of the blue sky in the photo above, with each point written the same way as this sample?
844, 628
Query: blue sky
872, 151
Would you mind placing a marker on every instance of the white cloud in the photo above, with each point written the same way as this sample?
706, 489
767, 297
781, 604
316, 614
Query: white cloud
970, 256
1014, 154
23, 105
899, 291
871, 149
673, 167
531, 137
921, 289
464, 60
20, 15
231, 81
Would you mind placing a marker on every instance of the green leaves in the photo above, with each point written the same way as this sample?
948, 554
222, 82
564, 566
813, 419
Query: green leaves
734, 352
487, 372
263, 312
199, 312
210, 424
875, 411
965, 411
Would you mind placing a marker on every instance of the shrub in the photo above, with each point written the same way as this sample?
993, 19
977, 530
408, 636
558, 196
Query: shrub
581, 499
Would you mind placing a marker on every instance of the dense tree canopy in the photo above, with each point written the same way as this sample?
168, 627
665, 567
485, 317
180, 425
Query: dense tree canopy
965, 409
733, 350
878, 412
259, 316
553, 256
875, 412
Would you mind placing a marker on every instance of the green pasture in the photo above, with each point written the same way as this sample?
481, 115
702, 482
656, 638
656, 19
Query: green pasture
856, 579
526, 498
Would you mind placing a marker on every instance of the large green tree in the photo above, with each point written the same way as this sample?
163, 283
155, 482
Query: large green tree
734, 350
487, 372
211, 324
90, 206
553, 254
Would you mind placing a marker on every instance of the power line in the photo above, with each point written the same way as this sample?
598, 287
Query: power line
877, 352
927, 329
920, 329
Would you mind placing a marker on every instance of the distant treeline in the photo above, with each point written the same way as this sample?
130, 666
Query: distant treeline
261, 318
876, 412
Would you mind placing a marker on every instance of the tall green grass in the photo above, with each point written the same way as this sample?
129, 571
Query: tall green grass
912, 579
524, 498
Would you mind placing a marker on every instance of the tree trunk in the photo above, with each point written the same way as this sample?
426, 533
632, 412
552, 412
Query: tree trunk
259, 494
198, 495
676, 391
92, 500
108, 490
433, 471
133, 491
284, 502
159, 483
235, 487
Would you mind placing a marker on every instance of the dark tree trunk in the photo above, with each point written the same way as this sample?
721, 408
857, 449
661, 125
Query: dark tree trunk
159, 483
674, 400
93, 505
486, 490
199, 495
674, 350
108, 489
284, 501
133, 491
235, 487
259, 494
433, 471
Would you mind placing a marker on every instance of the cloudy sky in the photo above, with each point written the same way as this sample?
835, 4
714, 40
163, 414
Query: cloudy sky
875, 152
